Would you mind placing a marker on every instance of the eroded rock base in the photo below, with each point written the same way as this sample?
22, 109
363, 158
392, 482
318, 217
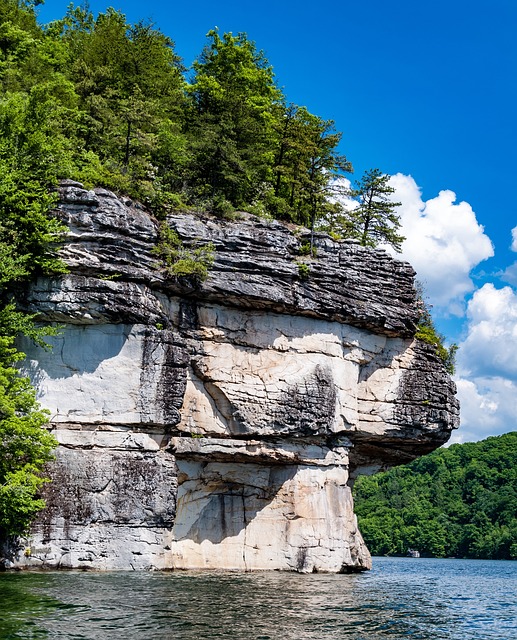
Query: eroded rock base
247, 516
110, 505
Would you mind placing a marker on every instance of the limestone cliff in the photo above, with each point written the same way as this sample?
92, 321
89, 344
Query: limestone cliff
219, 425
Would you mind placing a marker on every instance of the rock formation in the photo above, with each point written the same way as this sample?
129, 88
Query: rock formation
220, 424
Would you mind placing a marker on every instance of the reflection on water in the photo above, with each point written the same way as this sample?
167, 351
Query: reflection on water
400, 598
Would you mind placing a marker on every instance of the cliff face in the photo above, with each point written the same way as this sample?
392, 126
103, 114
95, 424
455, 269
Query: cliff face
220, 425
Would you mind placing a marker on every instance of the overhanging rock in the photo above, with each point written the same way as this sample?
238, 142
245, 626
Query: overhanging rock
220, 425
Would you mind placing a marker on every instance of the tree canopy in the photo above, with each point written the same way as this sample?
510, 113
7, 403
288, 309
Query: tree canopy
460, 501
124, 116
374, 221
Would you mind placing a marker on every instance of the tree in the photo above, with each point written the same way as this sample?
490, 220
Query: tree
374, 221
233, 107
460, 501
37, 111
131, 102
26, 446
307, 163
323, 164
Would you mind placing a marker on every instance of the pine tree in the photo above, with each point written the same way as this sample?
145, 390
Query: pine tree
374, 221
307, 162
234, 102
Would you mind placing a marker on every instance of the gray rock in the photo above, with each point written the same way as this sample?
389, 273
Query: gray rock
219, 424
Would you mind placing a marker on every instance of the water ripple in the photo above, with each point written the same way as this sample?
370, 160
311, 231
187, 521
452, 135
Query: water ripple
401, 598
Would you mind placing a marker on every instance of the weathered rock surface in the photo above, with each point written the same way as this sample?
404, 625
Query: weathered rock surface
219, 425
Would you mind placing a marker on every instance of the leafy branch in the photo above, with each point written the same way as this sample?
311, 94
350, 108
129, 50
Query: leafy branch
426, 331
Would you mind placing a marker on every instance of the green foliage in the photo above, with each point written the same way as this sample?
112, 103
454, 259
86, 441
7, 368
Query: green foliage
426, 332
180, 261
374, 221
460, 501
129, 92
307, 250
304, 270
232, 100
307, 163
26, 446
110, 104
447, 355
36, 108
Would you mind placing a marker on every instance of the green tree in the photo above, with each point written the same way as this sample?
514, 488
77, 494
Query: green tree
460, 501
375, 220
131, 103
26, 445
233, 106
307, 163
323, 165
37, 113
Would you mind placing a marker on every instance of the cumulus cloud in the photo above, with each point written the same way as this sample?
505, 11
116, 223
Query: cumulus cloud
340, 189
488, 408
490, 348
444, 242
510, 273
514, 239
487, 365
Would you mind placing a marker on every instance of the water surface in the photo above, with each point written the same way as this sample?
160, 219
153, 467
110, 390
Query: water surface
400, 598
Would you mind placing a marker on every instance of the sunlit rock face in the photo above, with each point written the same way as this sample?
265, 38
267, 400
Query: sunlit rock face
221, 424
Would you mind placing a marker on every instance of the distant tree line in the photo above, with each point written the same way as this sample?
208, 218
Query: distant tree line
460, 502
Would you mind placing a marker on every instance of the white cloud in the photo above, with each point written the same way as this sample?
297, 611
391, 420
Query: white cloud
340, 188
510, 273
490, 348
487, 365
488, 408
514, 239
444, 242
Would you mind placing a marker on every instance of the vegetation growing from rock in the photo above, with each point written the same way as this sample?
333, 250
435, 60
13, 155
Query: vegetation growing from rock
375, 220
460, 501
426, 331
180, 261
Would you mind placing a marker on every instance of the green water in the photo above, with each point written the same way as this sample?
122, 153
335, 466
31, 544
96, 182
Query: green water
400, 598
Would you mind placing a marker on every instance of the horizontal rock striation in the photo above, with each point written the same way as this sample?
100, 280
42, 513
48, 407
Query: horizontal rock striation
220, 424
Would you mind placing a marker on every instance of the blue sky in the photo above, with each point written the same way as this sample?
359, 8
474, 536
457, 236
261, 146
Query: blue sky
426, 91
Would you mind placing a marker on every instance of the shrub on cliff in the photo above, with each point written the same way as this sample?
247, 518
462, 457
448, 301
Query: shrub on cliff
180, 261
426, 331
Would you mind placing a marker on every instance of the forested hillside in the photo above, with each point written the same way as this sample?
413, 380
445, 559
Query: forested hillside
460, 501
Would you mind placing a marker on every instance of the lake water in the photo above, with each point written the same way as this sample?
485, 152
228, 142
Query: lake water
400, 598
